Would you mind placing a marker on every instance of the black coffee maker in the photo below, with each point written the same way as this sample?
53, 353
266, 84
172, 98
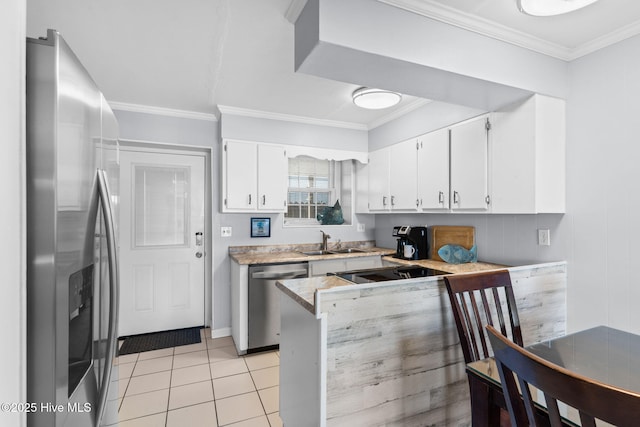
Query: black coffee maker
415, 237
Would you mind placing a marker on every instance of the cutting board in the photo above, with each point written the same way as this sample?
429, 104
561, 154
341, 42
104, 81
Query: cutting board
440, 235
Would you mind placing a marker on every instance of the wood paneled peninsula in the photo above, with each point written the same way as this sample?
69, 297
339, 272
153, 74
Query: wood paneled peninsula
388, 354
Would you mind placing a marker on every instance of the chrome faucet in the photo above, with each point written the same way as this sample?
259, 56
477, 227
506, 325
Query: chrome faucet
325, 238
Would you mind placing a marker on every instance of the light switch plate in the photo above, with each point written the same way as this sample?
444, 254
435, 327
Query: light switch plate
544, 237
225, 231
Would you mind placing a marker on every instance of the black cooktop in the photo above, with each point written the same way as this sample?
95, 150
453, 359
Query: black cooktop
384, 274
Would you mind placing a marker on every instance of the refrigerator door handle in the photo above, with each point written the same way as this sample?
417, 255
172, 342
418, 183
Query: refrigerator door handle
114, 288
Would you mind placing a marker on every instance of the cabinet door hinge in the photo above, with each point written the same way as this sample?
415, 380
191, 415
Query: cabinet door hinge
225, 202
225, 146
487, 200
487, 125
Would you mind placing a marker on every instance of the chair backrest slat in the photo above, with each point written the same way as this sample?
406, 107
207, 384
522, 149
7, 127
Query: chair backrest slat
476, 301
592, 399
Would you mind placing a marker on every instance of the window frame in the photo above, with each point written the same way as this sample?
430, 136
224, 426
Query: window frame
334, 190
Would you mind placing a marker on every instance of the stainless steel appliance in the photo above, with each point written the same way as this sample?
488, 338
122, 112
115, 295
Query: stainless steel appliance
383, 274
415, 236
72, 271
264, 302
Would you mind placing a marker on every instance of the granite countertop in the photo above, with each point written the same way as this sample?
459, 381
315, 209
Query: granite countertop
246, 255
304, 290
449, 268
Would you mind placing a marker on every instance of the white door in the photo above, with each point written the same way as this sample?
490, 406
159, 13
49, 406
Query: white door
162, 263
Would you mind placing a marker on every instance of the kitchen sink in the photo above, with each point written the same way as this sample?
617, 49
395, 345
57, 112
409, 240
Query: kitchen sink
334, 251
347, 251
317, 252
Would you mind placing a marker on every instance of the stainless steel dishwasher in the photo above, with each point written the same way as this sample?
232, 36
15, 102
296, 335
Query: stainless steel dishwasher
264, 302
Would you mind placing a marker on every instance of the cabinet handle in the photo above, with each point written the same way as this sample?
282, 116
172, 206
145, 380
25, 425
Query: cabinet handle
264, 199
393, 200
440, 197
456, 197
384, 200
249, 198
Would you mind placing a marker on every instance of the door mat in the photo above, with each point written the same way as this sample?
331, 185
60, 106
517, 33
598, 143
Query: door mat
158, 340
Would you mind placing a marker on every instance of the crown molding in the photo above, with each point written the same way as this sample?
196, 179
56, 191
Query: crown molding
294, 10
449, 15
237, 111
616, 36
455, 17
148, 109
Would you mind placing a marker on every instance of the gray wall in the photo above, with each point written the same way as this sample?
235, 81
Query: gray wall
603, 187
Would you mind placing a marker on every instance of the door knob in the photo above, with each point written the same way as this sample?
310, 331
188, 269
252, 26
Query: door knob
198, 254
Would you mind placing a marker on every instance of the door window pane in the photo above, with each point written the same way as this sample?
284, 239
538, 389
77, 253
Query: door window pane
161, 198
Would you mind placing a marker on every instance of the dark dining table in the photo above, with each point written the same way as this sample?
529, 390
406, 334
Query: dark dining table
605, 354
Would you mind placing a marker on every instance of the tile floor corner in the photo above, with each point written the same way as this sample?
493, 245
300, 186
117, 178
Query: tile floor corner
205, 384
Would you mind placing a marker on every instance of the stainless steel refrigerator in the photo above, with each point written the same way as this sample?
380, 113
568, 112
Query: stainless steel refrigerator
72, 273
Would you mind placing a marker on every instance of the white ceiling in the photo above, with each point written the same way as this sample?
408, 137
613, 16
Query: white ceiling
188, 56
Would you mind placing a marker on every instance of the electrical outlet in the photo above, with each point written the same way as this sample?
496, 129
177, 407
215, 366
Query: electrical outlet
544, 237
225, 231
361, 227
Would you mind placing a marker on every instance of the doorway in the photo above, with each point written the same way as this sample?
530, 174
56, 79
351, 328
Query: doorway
164, 235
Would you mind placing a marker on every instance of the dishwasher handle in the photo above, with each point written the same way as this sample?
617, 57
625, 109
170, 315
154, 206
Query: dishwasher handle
278, 275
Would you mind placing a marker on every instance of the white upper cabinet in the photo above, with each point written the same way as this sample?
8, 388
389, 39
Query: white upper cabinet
254, 177
469, 179
404, 175
392, 172
433, 170
378, 174
528, 157
273, 168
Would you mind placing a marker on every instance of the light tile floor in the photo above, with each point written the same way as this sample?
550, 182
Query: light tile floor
205, 384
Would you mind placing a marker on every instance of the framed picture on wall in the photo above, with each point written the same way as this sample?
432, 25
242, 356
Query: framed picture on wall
260, 227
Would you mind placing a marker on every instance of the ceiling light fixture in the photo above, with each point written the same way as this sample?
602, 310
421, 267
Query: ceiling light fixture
375, 99
551, 7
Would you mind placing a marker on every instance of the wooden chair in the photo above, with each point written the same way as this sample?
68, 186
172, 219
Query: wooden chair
478, 300
592, 399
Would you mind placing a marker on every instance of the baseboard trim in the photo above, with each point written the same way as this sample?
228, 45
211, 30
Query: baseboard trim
219, 333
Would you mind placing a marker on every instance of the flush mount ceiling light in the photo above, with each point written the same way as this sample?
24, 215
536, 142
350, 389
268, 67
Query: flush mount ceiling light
375, 99
551, 7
